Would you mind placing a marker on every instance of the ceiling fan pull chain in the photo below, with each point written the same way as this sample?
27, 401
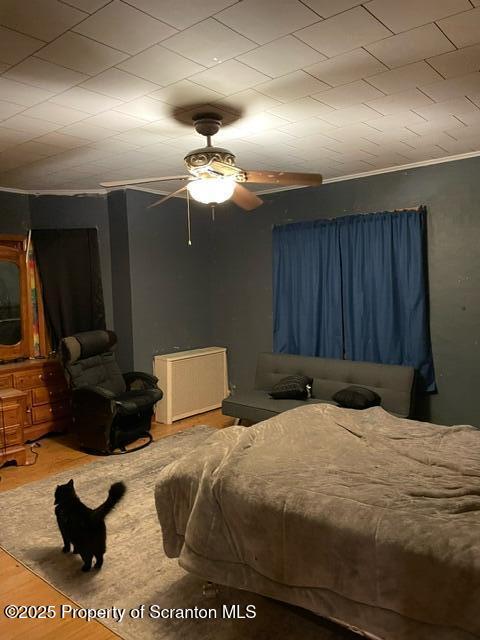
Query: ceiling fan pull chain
188, 220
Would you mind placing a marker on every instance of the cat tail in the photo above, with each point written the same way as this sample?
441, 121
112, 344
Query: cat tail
115, 494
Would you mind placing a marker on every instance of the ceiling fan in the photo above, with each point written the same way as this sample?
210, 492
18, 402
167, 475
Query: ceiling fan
213, 176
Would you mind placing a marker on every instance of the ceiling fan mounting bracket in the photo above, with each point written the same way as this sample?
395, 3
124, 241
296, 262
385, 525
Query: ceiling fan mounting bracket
207, 124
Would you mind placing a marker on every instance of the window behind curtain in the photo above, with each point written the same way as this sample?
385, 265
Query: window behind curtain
354, 287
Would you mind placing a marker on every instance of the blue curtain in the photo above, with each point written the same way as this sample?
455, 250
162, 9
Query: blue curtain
378, 263
307, 291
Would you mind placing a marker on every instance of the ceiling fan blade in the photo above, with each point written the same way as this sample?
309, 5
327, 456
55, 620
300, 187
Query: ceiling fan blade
245, 199
123, 183
164, 199
284, 178
224, 168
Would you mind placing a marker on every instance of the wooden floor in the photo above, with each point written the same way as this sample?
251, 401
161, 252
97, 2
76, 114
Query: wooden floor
19, 585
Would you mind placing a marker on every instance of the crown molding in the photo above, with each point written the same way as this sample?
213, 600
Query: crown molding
354, 176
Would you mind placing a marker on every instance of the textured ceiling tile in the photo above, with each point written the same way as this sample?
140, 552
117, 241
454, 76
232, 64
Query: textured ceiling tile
347, 67
62, 140
457, 63
402, 101
118, 84
209, 43
308, 127
401, 119
464, 28
8, 109
88, 101
115, 121
301, 109
438, 125
12, 158
145, 108
328, 8
55, 113
328, 36
417, 44
16, 46
90, 6
44, 20
20, 93
412, 75
294, 85
229, 77
349, 94
468, 85
453, 107
82, 54
87, 131
125, 28
351, 115
30, 125
407, 14
160, 65
181, 13
265, 21
9, 137
281, 56
185, 93
247, 102
44, 75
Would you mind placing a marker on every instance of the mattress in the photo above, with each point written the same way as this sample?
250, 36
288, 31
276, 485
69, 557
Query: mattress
358, 516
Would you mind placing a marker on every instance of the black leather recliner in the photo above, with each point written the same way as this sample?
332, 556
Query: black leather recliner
110, 409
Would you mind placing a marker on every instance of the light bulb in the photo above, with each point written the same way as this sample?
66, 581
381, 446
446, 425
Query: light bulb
211, 190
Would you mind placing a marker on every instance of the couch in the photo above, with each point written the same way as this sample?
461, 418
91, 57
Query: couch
393, 383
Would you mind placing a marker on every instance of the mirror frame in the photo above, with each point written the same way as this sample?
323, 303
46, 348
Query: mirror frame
12, 249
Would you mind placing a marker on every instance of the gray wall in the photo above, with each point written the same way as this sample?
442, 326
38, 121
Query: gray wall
241, 275
79, 212
121, 280
14, 213
171, 308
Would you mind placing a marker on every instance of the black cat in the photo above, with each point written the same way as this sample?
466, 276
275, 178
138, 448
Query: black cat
84, 527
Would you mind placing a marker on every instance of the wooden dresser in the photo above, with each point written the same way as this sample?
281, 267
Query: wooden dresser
12, 422
47, 396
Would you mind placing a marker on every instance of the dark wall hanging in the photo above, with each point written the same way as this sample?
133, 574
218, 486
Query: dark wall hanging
69, 265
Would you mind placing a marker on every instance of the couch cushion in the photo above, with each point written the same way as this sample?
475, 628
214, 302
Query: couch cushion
257, 405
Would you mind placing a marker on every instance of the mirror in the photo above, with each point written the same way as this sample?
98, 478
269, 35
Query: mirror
10, 313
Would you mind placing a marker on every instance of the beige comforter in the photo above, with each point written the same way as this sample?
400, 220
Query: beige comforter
356, 515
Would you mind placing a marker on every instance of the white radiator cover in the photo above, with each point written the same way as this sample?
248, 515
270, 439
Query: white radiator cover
192, 382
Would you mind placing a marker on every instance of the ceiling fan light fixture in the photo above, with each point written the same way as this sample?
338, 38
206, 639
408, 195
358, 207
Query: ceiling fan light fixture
212, 190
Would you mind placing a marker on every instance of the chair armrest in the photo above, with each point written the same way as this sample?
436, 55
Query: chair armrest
146, 379
97, 390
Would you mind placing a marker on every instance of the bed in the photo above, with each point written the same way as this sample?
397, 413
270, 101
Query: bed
358, 516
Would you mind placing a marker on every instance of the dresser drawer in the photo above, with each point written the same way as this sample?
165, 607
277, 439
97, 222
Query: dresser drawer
43, 395
11, 436
29, 379
6, 381
44, 412
12, 415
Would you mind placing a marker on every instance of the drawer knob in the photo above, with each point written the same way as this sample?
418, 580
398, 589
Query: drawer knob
40, 376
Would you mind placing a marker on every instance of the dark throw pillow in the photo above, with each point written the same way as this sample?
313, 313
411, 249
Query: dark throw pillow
356, 398
292, 388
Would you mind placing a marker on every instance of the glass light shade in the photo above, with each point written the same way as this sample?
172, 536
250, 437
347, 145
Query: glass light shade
211, 190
